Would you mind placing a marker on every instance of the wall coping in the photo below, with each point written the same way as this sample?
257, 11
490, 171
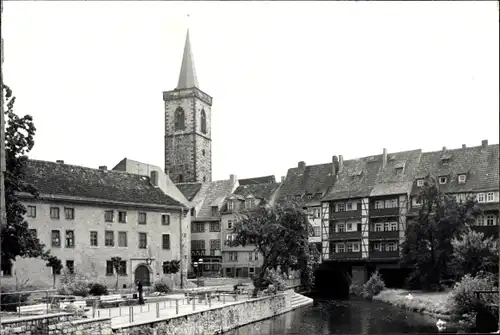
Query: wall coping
34, 318
159, 320
89, 320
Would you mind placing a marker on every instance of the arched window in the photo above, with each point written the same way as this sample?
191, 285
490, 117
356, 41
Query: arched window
179, 118
181, 178
203, 122
203, 152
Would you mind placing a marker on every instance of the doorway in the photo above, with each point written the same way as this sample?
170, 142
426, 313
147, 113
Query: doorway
142, 274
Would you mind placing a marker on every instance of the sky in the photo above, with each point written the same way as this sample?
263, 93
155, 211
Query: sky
291, 81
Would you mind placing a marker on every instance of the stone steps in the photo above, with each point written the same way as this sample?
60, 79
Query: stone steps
298, 300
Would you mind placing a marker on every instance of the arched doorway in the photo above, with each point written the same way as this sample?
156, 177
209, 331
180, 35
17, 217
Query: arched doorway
142, 274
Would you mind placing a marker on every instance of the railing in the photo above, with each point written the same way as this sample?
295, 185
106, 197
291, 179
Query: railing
21, 297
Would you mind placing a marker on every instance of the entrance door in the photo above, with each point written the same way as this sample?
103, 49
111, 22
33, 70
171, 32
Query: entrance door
142, 274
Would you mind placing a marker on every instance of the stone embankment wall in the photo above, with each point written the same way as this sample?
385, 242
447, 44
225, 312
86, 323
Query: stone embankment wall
60, 323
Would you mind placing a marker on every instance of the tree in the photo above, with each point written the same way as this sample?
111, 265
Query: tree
427, 249
117, 266
16, 239
172, 268
280, 234
473, 253
56, 265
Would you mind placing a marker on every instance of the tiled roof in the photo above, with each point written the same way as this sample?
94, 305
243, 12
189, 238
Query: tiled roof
189, 189
216, 191
480, 164
258, 180
264, 192
77, 181
313, 180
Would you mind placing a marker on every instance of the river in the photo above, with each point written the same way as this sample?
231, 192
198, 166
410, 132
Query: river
355, 316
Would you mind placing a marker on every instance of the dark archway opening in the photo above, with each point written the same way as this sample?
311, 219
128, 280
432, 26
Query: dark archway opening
332, 281
142, 274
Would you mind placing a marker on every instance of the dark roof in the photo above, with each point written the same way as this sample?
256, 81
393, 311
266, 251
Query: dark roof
263, 191
215, 194
312, 180
481, 165
77, 181
189, 190
258, 180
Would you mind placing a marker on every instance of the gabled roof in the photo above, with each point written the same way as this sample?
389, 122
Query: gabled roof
77, 181
481, 165
214, 195
258, 180
311, 180
189, 189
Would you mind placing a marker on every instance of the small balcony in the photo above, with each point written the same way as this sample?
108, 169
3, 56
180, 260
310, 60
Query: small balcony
382, 235
383, 255
345, 214
346, 256
198, 252
348, 235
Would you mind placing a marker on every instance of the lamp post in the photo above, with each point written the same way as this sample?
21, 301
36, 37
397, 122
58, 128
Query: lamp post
200, 262
195, 265
149, 261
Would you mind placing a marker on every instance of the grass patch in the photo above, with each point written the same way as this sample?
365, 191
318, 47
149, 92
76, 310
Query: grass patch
434, 303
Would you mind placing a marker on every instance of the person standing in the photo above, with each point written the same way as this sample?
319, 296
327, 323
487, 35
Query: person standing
139, 290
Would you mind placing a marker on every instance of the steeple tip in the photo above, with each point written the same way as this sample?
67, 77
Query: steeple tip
187, 76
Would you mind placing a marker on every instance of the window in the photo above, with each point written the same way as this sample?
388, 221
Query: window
341, 228
122, 239
340, 247
215, 244
317, 231
349, 247
215, 211
349, 206
480, 220
417, 200
230, 205
143, 241
70, 239
420, 182
462, 178
108, 216
56, 239
349, 227
70, 265
165, 241
179, 119
379, 204
355, 247
31, 211
203, 152
93, 239
391, 246
109, 238
69, 213
214, 226
109, 268
340, 207
54, 213
180, 178
122, 217
204, 179
309, 196
203, 123
378, 226
391, 203
386, 226
233, 256
198, 227
32, 232
229, 224
480, 197
122, 268
376, 246
249, 203
394, 226
491, 220
442, 180
165, 219
142, 218
490, 197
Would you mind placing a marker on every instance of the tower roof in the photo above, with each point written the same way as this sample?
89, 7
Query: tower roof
187, 76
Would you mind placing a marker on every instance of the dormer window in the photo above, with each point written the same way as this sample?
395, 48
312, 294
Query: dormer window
462, 178
399, 171
249, 203
445, 159
215, 211
309, 196
230, 205
420, 182
443, 180
400, 167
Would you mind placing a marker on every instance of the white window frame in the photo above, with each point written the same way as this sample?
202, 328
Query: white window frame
341, 228
341, 207
349, 227
376, 246
392, 246
229, 224
387, 226
443, 180
338, 247
490, 220
394, 226
349, 206
462, 178
379, 227
420, 182
480, 220
379, 204
230, 205
355, 247
349, 246
490, 197
317, 231
481, 197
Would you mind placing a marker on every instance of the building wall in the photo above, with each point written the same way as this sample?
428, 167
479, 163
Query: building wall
91, 260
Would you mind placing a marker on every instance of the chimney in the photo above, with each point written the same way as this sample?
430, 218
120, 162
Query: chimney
282, 179
464, 146
384, 158
301, 165
484, 143
444, 149
60, 161
335, 165
154, 178
341, 163
103, 167
233, 178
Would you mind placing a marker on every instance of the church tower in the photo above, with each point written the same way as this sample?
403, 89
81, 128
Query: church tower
188, 135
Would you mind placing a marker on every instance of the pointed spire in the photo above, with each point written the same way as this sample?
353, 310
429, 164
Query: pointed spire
187, 76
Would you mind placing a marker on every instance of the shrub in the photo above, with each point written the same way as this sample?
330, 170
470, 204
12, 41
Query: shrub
97, 289
464, 304
273, 277
11, 301
161, 286
373, 286
356, 289
74, 284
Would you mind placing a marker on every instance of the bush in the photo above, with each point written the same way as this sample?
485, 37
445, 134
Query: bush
464, 304
11, 301
161, 286
273, 277
97, 289
74, 284
373, 286
356, 289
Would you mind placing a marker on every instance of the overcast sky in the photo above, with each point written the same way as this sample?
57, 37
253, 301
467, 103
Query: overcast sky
291, 81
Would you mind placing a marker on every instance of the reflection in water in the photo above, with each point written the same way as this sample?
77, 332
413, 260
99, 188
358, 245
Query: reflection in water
343, 317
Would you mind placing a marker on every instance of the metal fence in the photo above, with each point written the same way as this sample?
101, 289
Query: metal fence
13, 301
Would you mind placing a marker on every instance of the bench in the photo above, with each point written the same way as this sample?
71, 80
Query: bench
32, 309
113, 299
81, 304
